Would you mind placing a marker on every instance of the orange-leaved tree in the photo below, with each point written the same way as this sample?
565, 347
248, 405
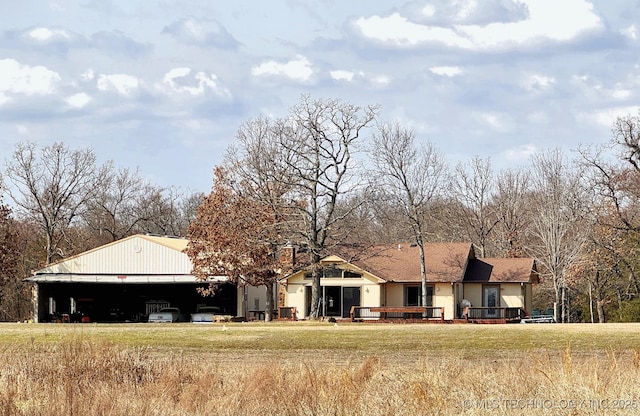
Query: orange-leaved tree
235, 235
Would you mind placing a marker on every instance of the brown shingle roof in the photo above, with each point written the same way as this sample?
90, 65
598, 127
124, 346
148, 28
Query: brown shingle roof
445, 262
501, 270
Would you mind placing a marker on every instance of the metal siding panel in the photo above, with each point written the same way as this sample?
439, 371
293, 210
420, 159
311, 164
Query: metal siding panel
129, 256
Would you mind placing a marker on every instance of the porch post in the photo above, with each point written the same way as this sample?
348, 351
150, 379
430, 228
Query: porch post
35, 302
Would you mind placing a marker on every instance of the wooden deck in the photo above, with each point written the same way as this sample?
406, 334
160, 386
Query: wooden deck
494, 315
397, 313
435, 314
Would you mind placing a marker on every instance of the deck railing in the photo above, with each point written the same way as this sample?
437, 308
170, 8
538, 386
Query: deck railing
287, 312
487, 312
362, 313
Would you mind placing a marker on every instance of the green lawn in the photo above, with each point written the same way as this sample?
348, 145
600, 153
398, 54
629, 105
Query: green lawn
345, 340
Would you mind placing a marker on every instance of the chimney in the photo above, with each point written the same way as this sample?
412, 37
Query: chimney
287, 258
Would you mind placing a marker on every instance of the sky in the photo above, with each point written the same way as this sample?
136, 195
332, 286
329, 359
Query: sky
163, 85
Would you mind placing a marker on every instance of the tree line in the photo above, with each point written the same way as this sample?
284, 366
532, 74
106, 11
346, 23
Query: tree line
330, 174
57, 202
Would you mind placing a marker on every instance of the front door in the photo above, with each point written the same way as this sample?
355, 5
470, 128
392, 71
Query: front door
332, 300
351, 297
491, 299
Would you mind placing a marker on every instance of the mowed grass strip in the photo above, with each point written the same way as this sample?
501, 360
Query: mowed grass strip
343, 338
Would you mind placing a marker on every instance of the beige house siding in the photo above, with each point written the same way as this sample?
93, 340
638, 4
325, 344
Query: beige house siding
528, 298
395, 294
295, 298
473, 293
371, 295
444, 297
512, 295
295, 290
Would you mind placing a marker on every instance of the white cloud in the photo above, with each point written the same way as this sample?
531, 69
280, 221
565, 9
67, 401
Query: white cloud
88, 75
547, 20
429, 10
606, 117
381, 80
467, 9
175, 73
493, 120
363, 78
631, 32
449, 71
342, 75
44, 34
620, 93
537, 82
203, 82
298, 69
78, 100
201, 32
399, 31
520, 154
24, 79
122, 83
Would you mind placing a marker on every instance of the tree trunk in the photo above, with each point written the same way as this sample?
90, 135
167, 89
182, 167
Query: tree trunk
590, 302
557, 308
599, 299
316, 290
423, 275
563, 304
268, 308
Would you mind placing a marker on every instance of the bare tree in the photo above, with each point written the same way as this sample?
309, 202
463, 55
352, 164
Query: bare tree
114, 212
319, 157
557, 230
613, 172
14, 294
53, 188
473, 189
513, 210
410, 176
305, 165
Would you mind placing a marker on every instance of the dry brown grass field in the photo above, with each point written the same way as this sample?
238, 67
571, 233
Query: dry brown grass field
319, 369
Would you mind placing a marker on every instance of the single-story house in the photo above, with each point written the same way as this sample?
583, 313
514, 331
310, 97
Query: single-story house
390, 276
128, 279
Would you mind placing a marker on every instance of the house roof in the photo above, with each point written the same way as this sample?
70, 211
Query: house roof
445, 262
501, 270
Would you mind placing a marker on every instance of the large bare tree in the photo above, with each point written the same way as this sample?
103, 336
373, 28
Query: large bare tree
304, 166
512, 204
113, 213
557, 228
472, 190
52, 187
410, 176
